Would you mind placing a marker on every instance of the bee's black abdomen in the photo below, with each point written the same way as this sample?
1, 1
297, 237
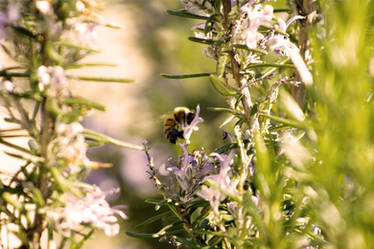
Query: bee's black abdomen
172, 135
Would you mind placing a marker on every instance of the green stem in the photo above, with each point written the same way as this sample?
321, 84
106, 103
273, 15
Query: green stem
46, 133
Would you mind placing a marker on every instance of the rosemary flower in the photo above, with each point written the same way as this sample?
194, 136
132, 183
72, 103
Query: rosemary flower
221, 181
44, 7
282, 45
191, 169
7, 86
53, 78
257, 15
93, 210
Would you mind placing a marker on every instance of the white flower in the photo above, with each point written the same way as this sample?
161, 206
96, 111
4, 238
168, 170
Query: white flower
43, 75
44, 7
86, 32
80, 6
7, 86
70, 146
54, 77
93, 209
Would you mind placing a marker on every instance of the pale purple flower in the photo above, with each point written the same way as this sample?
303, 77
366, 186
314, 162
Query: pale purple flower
257, 15
93, 209
13, 12
282, 45
192, 168
8, 17
86, 33
189, 128
221, 180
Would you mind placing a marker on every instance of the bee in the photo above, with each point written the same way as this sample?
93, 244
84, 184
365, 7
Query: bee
174, 124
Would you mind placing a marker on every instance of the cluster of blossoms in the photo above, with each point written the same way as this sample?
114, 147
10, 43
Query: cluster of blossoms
246, 28
249, 17
66, 22
46, 38
184, 179
53, 78
69, 148
93, 209
222, 181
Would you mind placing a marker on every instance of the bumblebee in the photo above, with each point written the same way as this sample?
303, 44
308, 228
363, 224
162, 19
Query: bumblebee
174, 124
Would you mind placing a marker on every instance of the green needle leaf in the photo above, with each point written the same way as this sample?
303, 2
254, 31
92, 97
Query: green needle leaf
154, 218
204, 41
140, 235
185, 76
220, 86
83, 102
186, 242
14, 146
24, 31
101, 79
81, 65
153, 235
95, 136
184, 13
223, 109
255, 65
70, 45
284, 121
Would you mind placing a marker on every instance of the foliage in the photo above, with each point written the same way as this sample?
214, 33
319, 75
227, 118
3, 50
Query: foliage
296, 171
47, 198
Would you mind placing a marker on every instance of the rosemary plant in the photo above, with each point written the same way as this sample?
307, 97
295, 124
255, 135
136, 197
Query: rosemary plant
46, 204
294, 171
